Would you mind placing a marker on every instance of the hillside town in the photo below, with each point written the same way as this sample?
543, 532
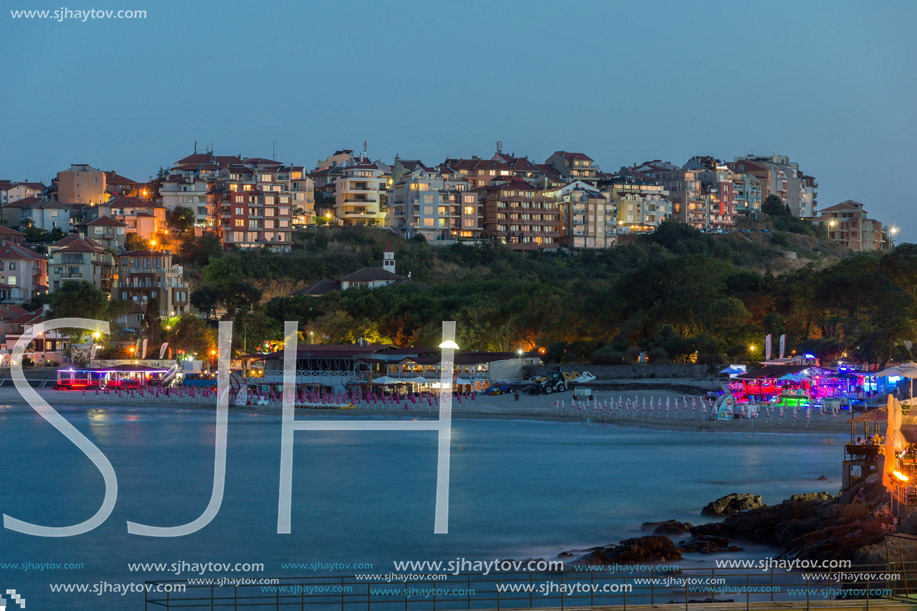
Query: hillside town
122, 235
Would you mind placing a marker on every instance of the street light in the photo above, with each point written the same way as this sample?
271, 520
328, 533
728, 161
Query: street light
449, 344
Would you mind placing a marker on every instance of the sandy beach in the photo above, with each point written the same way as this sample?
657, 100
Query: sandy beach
555, 407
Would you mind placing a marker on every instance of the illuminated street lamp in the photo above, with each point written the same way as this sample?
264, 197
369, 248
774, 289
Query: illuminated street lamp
449, 344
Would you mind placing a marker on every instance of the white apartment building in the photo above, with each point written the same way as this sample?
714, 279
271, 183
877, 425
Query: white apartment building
358, 195
438, 205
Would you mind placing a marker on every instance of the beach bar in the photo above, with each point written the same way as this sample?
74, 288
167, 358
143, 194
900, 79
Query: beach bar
119, 377
800, 386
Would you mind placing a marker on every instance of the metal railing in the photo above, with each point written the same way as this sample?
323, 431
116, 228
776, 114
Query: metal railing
891, 585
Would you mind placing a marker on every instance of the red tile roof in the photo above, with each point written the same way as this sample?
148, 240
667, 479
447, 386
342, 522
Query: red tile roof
105, 221
16, 252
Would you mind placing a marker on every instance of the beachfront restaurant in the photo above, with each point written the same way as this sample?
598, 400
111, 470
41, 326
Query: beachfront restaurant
121, 377
800, 386
339, 368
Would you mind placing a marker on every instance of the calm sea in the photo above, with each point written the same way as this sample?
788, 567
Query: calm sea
519, 489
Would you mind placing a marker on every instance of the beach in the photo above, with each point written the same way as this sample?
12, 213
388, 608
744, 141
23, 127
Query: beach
554, 407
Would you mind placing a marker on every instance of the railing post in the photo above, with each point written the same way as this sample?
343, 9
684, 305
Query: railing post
592, 588
653, 586
342, 593
531, 589
772, 583
563, 592
748, 592
867, 591
468, 589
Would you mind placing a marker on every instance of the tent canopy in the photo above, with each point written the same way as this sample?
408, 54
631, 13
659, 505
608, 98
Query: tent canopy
904, 370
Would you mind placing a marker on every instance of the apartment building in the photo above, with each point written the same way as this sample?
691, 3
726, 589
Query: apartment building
640, 203
746, 192
107, 232
23, 273
11, 235
589, 218
141, 216
574, 166
360, 194
82, 184
848, 223
144, 275
683, 189
481, 172
38, 212
188, 186
49, 348
781, 177
436, 203
116, 184
717, 190
75, 258
520, 215
14, 191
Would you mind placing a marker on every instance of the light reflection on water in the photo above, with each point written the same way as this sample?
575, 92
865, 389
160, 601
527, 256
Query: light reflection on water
519, 489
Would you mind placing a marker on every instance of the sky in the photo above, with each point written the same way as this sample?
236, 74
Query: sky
831, 84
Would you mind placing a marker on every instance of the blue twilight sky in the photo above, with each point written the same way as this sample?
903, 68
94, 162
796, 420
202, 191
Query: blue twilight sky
829, 83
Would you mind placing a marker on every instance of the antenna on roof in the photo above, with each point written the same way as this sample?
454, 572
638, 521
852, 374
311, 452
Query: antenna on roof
364, 149
274, 151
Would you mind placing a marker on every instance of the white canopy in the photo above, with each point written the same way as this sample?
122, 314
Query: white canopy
904, 370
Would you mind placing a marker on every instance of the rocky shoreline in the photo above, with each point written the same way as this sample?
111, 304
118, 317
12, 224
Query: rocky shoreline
816, 527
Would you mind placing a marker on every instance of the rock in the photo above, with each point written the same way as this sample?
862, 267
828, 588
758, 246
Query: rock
887, 550
669, 527
812, 529
811, 496
652, 548
733, 503
845, 514
707, 544
822, 477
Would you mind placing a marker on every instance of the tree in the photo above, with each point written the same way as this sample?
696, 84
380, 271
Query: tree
133, 241
151, 321
79, 299
205, 299
192, 335
774, 206
181, 219
900, 265
200, 251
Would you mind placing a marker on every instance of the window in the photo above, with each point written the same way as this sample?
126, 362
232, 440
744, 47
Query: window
469, 210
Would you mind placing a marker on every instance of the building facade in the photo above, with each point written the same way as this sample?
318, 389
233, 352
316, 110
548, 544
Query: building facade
144, 275
435, 203
359, 194
24, 273
75, 259
81, 184
589, 218
848, 223
520, 215
574, 166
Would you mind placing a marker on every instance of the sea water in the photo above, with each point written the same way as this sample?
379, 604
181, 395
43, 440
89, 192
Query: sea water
519, 489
